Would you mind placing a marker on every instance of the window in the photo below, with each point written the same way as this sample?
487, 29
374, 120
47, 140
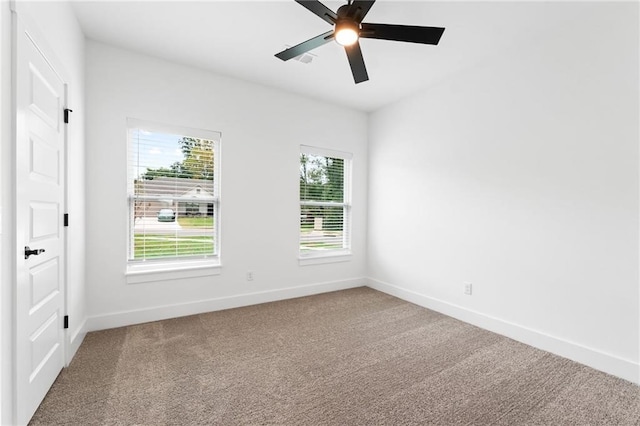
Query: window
173, 196
325, 202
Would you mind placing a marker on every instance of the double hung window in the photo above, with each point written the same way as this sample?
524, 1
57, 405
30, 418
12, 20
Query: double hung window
325, 202
173, 195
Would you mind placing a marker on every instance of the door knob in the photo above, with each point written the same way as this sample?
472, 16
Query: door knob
28, 252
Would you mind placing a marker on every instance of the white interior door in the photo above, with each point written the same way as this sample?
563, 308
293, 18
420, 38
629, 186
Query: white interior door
40, 149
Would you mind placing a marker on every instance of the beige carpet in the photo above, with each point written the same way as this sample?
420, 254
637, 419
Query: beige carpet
354, 357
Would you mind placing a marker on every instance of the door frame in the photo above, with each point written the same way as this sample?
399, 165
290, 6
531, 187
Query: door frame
22, 21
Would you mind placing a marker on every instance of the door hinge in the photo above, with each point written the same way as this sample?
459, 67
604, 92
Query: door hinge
66, 321
66, 115
66, 219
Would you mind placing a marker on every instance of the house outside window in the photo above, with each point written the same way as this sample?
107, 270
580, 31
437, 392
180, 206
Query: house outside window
325, 203
173, 196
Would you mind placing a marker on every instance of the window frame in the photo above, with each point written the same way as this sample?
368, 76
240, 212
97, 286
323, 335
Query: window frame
314, 257
166, 268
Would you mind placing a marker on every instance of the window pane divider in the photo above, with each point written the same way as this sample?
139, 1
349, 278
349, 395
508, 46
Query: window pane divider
324, 203
173, 197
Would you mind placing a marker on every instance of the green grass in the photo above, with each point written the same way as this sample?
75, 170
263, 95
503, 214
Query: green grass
319, 245
196, 222
155, 246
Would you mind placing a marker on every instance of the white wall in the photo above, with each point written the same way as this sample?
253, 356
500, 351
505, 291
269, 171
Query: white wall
59, 32
5, 224
262, 130
521, 176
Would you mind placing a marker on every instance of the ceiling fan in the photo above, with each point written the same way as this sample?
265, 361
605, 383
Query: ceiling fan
348, 28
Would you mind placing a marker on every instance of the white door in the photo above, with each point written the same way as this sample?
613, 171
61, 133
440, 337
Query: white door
40, 153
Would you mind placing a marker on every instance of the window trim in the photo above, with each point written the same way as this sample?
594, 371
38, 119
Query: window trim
168, 268
143, 273
343, 254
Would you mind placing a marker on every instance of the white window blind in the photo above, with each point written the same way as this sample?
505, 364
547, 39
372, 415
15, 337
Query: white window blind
325, 202
173, 192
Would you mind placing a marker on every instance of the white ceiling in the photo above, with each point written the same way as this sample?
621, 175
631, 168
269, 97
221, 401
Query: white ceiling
240, 38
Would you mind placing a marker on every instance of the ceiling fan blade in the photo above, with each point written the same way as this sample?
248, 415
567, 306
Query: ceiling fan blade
359, 9
410, 33
305, 46
356, 61
319, 9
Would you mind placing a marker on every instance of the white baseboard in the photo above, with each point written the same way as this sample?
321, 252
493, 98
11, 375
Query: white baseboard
120, 319
75, 341
608, 363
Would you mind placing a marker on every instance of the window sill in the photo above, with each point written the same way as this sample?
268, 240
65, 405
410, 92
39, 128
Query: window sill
319, 259
145, 273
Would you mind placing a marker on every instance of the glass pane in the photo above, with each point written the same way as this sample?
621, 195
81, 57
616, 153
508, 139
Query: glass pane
322, 228
170, 165
321, 178
173, 230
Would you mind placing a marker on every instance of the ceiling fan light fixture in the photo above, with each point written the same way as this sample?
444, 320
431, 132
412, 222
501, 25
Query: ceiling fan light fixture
346, 32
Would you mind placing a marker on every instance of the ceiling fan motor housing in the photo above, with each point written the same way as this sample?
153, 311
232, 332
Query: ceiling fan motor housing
342, 11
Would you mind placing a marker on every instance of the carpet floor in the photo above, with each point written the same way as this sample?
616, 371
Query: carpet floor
353, 357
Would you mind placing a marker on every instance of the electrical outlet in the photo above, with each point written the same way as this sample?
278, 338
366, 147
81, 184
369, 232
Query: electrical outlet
467, 288
249, 276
